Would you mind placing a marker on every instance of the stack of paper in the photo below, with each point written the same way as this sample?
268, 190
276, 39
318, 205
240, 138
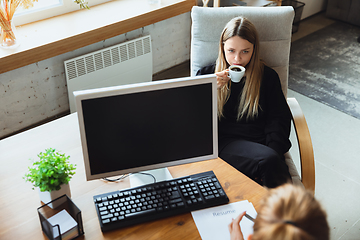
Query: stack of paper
212, 223
68, 226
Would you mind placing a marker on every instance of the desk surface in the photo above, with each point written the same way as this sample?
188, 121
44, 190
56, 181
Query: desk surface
19, 203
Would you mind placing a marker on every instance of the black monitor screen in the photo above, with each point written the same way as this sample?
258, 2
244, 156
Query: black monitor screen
143, 129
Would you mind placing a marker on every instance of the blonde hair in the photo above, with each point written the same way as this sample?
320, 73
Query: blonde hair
290, 212
249, 102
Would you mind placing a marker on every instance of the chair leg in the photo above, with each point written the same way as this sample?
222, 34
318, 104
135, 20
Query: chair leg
205, 3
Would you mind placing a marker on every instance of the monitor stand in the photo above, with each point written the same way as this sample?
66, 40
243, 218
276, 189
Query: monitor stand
160, 174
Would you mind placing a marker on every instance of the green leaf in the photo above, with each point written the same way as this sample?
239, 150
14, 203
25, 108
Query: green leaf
52, 170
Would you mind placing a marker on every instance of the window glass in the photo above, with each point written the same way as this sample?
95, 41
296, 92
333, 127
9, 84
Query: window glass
39, 5
48, 8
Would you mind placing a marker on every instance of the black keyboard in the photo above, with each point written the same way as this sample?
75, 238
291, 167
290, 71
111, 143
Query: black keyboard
158, 200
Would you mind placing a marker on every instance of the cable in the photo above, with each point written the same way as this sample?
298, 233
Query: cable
117, 179
149, 174
127, 175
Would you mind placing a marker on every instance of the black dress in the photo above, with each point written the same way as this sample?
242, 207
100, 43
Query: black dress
256, 147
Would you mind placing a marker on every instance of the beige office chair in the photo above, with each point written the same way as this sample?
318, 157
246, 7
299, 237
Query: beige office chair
216, 3
274, 26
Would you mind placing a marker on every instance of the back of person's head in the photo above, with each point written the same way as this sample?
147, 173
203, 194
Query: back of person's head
290, 212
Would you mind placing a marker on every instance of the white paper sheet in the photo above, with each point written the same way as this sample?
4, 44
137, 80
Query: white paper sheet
65, 221
212, 223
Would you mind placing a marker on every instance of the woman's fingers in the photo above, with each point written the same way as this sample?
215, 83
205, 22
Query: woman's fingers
222, 78
239, 218
234, 228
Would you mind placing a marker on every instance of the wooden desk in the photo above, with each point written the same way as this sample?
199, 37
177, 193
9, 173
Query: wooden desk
18, 202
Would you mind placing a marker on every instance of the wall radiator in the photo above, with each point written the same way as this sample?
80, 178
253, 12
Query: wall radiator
125, 63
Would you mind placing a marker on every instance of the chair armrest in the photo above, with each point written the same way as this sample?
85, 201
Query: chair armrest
304, 144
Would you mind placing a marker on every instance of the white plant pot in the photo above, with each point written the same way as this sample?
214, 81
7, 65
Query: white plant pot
46, 197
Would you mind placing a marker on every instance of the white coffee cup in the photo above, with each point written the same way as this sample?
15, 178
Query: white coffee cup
236, 73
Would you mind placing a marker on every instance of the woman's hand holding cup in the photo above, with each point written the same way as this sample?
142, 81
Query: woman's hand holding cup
236, 73
222, 78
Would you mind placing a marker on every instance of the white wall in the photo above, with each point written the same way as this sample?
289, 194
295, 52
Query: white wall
312, 7
34, 93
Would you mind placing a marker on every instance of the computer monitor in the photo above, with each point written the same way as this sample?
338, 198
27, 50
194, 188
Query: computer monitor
144, 126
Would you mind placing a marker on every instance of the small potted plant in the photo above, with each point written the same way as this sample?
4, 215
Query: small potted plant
51, 174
